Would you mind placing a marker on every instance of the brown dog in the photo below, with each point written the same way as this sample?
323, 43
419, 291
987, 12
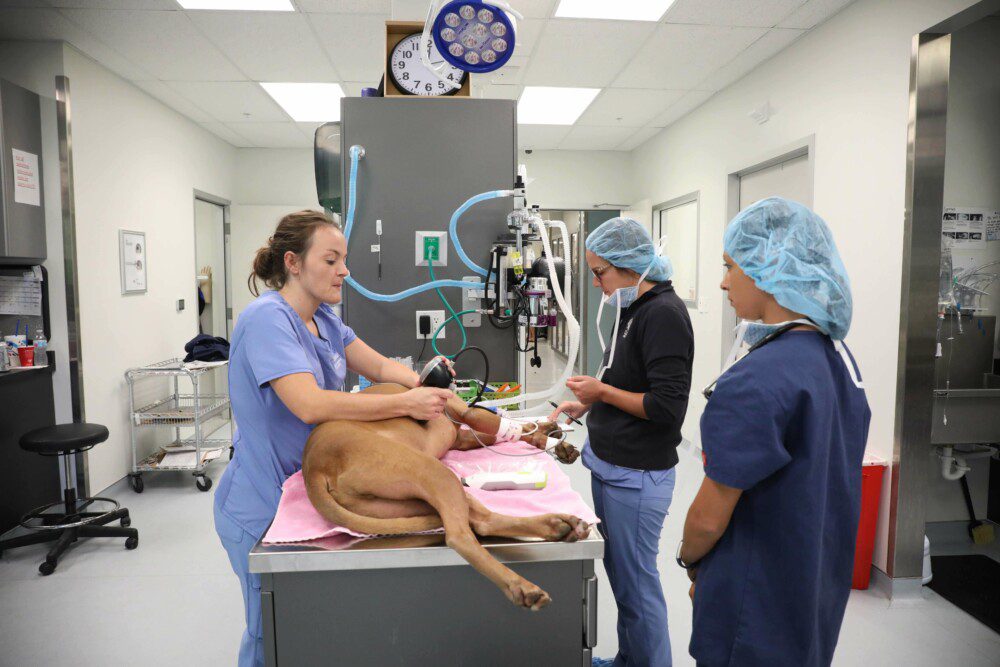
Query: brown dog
385, 478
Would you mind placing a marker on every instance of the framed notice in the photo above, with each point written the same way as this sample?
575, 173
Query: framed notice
132, 249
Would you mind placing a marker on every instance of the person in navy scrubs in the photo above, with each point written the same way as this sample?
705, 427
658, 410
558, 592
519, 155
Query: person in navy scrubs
290, 355
769, 539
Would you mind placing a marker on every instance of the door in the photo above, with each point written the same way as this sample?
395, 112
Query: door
210, 266
791, 178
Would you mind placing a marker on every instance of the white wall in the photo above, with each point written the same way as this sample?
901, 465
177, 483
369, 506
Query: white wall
579, 179
972, 179
35, 65
136, 166
847, 83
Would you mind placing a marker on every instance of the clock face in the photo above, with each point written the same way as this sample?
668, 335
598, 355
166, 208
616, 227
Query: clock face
410, 75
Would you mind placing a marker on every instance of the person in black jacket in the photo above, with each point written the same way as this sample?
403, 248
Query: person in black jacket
636, 407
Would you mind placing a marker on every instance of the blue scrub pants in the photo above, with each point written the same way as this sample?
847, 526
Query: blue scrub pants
631, 521
238, 543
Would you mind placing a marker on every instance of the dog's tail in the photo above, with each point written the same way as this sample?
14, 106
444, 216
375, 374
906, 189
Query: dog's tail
319, 494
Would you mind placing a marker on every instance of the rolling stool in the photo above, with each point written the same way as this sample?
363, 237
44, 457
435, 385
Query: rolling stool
74, 522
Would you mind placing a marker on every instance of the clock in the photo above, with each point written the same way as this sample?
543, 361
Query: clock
411, 77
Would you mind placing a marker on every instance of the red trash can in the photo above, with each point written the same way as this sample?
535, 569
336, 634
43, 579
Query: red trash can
872, 473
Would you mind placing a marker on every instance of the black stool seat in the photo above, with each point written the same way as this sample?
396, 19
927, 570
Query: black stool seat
63, 438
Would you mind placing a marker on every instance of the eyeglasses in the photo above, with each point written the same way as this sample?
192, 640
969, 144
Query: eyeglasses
598, 272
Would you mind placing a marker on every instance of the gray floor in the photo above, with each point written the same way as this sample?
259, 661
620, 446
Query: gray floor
174, 600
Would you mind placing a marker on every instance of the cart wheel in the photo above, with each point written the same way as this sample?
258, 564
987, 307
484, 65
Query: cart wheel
204, 483
125, 522
136, 483
47, 568
131, 543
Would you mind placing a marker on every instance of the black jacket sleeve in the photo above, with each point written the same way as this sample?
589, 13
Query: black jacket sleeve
667, 342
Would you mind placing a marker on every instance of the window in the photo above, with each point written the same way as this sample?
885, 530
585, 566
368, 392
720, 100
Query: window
677, 220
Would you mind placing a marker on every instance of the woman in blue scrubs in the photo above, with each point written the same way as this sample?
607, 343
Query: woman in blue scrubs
289, 358
769, 539
635, 408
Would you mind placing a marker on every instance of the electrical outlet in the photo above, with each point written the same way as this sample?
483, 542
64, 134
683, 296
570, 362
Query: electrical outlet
437, 317
433, 244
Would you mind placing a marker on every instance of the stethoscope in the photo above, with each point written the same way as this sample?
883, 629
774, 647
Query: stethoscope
707, 391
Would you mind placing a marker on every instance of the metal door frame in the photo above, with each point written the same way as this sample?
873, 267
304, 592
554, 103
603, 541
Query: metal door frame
930, 62
226, 250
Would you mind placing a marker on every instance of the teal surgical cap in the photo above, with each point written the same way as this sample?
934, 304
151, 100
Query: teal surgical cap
789, 252
626, 244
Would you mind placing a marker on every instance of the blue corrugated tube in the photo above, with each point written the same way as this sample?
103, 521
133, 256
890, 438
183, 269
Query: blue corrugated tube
453, 226
356, 153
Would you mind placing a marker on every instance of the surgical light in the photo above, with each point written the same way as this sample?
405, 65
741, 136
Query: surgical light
240, 5
307, 102
544, 105
472, 35
621, 10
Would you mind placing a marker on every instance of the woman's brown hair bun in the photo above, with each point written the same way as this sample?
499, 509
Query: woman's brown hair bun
293, 234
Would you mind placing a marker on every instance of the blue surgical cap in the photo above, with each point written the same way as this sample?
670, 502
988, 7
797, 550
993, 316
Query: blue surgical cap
626, 244
789, 252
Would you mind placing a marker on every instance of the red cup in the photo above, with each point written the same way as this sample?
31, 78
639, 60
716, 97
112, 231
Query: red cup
26, 355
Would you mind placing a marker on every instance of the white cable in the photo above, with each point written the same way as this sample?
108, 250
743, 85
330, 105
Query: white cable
571, 323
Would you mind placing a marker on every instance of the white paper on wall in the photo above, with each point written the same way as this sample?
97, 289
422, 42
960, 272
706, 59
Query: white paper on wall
26, 188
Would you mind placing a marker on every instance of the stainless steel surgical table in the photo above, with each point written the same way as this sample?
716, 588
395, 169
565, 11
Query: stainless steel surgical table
413, 601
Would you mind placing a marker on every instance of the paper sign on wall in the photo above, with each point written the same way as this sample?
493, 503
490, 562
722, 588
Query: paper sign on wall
26, 190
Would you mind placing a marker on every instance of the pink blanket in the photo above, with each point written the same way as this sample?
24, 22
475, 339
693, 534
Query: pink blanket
298, 521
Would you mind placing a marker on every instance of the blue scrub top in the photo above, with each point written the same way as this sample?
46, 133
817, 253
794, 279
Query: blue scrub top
271, 341
787, 424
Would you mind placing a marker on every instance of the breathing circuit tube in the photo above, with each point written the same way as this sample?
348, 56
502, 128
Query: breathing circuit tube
453, 225
358, 152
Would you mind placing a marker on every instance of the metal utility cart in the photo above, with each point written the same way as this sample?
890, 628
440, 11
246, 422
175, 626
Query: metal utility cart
188, 411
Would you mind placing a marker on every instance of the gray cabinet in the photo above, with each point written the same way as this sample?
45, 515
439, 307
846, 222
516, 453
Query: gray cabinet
22, 214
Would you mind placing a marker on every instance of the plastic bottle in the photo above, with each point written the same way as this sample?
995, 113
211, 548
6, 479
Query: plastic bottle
41, 347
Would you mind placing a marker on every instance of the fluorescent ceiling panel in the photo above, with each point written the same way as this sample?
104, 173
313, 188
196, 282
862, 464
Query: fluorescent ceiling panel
621, 10
543, 105
308, 102
240, 5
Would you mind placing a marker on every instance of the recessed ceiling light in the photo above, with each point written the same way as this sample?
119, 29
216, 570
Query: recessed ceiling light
622, 10
543, 105
308, 102
241, 5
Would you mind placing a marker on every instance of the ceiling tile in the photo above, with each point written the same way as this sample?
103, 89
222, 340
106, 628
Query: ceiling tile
813, 13
684, 106
534, 9
272, 135
640, 137
309, 129
628, 107
49, 24
763, 49
226, 134
486, 90
353, 88
166, 44
678, 57
510, 73
541, 137
174, 100
584, 138
585, 53
268, 46
165, 5
755, 13
353, 59
345, 6
527, 34
230, 101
